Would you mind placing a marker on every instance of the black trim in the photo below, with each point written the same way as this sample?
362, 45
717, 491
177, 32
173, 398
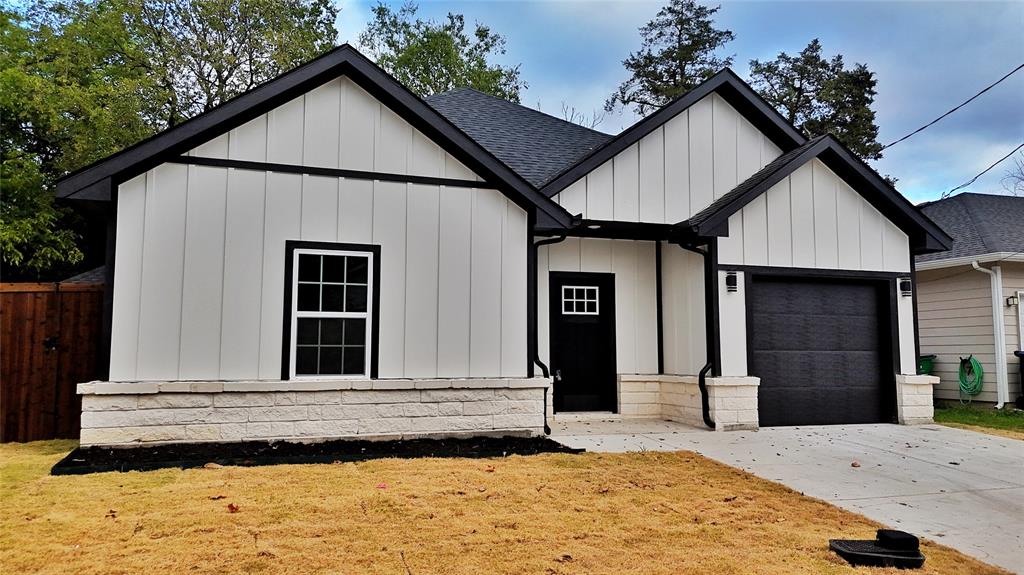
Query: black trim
812, 272
532, 327
329, 172
344, 60
728, 85
613, 230
925, 236
106, 335
711, 269
660, 320
286, 329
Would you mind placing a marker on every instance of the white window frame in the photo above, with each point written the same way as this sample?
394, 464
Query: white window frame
296, 314
596, 300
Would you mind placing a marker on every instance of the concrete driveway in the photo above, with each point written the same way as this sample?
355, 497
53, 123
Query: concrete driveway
960, 488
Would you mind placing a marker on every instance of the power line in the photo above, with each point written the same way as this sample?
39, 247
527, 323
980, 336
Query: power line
968, 101
983, 172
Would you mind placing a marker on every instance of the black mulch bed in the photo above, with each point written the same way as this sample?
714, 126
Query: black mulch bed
254, 453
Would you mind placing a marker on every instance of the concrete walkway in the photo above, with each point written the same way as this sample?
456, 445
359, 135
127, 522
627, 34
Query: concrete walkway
960, 488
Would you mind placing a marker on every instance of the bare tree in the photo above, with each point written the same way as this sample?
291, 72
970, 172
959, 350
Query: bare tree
1013, 181
571, 114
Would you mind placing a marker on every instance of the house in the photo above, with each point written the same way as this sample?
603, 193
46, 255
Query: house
969, 296
329, 255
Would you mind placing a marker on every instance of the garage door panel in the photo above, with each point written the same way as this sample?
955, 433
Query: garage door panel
820, 351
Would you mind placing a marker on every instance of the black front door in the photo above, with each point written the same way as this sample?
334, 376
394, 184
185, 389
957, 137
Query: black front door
583, 341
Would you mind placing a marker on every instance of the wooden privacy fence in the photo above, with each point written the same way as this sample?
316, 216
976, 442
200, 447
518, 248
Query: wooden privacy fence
49, 337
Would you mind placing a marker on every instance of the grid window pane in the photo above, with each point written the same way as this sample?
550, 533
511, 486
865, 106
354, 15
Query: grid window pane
357, 270
330, 361
309, 297
334, 269
355, 331
332, 297
307, 331
309, 268
306, 360
355, 298
579, 300
591, 307
354, 360
331, 331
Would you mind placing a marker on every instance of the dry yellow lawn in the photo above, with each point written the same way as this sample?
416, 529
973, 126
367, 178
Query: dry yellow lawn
591, 513
1011, 433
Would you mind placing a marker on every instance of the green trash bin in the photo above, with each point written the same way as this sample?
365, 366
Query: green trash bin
925, 364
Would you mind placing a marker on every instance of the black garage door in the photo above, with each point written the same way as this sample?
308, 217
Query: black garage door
823, 351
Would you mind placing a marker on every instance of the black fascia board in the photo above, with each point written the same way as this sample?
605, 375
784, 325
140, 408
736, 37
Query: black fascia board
344, 60
925, 236
728, 85
615, 230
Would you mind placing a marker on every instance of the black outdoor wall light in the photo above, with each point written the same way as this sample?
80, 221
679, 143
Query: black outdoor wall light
731, 282
906, 289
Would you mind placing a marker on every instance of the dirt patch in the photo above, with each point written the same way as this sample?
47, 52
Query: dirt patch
256, 453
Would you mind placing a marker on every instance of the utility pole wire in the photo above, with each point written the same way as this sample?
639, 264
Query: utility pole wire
983, 172
968, 101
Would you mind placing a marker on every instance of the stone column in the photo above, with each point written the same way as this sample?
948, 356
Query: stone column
914, 403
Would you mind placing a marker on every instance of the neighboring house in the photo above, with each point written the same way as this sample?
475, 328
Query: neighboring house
329, 255
957, 301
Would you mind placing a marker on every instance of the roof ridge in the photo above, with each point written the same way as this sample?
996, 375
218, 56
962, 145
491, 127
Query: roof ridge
524, 107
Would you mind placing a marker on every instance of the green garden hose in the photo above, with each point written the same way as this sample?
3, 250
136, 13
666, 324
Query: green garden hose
972, 377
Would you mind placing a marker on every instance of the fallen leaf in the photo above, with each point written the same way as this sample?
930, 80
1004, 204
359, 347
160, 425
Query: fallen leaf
603, 490
212, 465
382, 486
111, 514
731, 498
266, 553
216, 497
855, 464
232, 508
489, 469
565, 558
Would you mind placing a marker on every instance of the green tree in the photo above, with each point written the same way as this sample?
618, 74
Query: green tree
204, 52
821, 96
431, 57
678, 53
82, 79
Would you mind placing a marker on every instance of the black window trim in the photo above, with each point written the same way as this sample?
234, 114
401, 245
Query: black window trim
290, 247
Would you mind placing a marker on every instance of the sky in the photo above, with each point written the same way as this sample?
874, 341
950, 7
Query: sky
928, 57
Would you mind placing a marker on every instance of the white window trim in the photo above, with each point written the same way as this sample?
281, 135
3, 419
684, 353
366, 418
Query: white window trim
296, 314
596, 300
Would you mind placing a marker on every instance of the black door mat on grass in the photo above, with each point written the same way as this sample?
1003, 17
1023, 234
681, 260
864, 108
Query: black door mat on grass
254, 453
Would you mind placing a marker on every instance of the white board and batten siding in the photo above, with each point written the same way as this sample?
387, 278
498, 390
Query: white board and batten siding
684, 333
811, 219
201, 250
636, 306
675, 171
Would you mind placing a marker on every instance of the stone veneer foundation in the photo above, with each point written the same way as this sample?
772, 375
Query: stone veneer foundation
732, 401
914, 403
136, 413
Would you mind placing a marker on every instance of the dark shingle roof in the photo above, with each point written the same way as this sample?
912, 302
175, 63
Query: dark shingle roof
93, 276
535, 145
979, 223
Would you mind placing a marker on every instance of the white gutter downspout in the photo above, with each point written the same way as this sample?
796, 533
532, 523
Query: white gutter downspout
999, 331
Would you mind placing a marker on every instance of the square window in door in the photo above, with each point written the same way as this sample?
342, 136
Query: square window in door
580, 300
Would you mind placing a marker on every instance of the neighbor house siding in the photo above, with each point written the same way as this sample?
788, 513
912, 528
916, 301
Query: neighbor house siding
683, 317
675, 171
955, 318
199, 268
636, 305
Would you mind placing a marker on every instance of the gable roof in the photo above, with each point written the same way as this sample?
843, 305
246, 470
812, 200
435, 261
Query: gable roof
980, 224
925, 236
98, 180
727, 85
534, 144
